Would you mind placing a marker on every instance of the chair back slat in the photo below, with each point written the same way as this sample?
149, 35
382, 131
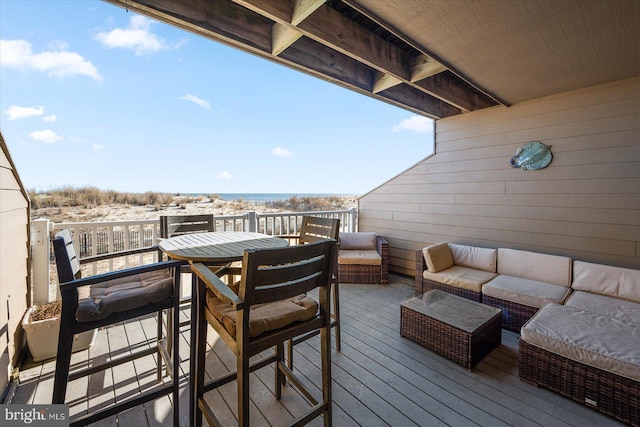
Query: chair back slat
276, 274
288, 282
67, 262
175, 225
317, 228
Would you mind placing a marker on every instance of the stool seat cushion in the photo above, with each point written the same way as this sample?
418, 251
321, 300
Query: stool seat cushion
98, 301
264, 317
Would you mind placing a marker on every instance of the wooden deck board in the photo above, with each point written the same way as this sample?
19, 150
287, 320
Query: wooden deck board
379, 378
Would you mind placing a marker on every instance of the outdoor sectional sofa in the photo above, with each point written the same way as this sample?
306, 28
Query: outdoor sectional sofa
516, 281
579, 321
588, 349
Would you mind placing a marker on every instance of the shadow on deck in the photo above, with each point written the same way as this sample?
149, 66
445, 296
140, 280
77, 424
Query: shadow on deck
379, 378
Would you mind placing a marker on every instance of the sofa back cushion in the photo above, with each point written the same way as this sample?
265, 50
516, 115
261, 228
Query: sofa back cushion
438, 257
474, 257
360, 240
606, 280
554, 269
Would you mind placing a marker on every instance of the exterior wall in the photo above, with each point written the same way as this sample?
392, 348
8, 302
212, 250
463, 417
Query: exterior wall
585, 204
14, 267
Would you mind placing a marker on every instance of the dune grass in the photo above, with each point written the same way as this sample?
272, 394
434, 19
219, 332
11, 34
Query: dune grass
87, 197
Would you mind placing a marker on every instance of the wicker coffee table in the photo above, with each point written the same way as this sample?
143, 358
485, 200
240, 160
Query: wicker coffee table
459, 329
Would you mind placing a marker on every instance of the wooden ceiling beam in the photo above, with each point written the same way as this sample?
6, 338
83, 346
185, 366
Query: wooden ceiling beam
425, 66
222, 21
278, 11
237, 26
383, 81
418, 100
394, 67
325, 25
282, 37
458, 92
283, 13
345, 71
303, 8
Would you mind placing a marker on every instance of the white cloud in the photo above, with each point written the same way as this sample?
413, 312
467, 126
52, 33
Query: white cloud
47, 136
137, 37
225, 175
50, 118
199, 101
58, 45
97, 147
282, 152
57, 62
15, 112
418, 124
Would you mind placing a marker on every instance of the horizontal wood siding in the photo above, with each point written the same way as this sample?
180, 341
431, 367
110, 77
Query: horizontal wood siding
585, 204
14, 267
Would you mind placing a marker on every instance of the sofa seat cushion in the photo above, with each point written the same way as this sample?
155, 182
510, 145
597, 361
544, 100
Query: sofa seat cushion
98, 301
463, 277
623, 310
524, 291
359, 256
554, 269
264, 317
586, 337
607, 280
474, 257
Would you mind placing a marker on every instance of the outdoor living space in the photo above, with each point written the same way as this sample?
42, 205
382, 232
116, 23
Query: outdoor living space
379, 378
532, 147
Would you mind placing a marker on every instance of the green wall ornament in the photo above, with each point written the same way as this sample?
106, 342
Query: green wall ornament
532, 156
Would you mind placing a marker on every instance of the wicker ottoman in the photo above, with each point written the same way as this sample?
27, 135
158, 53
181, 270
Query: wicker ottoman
461, 330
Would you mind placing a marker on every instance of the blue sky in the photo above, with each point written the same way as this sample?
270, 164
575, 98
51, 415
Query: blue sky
93, 95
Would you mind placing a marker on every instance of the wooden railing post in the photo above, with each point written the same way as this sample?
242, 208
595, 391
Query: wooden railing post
353, 219
253, 221
40, 260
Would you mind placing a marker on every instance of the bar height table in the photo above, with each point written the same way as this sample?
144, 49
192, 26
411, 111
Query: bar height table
213, 248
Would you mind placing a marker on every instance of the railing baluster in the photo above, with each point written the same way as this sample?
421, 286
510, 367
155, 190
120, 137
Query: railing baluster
140, 241
110, 246
126, 237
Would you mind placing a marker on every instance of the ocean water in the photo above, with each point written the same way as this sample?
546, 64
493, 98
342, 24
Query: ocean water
267, 197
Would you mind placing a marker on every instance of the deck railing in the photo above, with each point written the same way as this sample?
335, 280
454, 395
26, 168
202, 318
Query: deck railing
99, 238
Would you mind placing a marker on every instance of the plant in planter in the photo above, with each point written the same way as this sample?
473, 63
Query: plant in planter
41, 324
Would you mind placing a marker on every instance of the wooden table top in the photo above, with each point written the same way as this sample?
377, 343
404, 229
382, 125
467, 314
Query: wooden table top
223, 246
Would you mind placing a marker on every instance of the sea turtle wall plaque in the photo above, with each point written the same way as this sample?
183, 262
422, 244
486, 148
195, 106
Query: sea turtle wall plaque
532, 156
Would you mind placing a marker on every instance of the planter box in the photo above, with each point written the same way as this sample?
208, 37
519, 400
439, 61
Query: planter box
42, 337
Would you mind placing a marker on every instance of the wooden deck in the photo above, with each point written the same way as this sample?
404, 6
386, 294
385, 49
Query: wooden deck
379, 378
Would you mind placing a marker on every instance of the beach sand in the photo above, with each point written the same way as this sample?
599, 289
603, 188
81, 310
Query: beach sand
178, 207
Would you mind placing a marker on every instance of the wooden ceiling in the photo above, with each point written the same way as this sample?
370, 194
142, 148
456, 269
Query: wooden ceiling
435, 58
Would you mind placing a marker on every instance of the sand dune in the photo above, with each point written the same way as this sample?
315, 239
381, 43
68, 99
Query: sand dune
178, 207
